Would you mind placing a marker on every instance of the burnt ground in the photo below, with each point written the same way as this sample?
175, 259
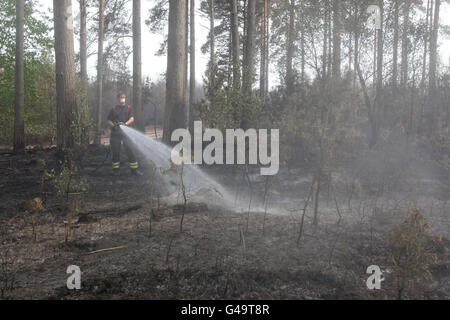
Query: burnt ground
218, 255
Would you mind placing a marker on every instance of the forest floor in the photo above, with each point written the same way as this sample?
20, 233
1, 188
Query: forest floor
219, 254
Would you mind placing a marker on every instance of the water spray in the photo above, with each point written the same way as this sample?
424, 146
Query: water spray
199, 184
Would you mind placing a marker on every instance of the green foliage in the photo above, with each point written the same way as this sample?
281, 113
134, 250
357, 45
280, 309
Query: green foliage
40, 115
411, 258
67, 181
230, 109
82, 123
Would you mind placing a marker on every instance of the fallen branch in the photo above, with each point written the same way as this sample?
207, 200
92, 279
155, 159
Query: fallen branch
107, 249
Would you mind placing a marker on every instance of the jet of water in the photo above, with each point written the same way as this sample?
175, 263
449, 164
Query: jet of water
198, 184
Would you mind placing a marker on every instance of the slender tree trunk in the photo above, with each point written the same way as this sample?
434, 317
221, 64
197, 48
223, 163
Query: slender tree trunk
375, 123
380, 54
290, 48
236, 47
19, 126
83, 45
244, 49
395, 45
137, 65
426, 39
404, 69
336, 39
356, 43
325, 40
249, 59
65, 72
262, 78
101, 31
186, 63
267, 44
330, 43
302, 48
433, 48
174, 117
192, 83
212, 40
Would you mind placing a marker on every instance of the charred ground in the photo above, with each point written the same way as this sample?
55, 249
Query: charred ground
220, 254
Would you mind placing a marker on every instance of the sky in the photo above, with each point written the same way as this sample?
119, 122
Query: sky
154, 66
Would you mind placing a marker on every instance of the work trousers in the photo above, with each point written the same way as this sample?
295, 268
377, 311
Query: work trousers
116, 143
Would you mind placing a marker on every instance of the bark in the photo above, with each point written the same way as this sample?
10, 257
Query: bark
174, 117
19, 126
290, 48
379, 84
262, 78
395, 45
192, 62
433, 47
336, 39
186, 61
426, 39
212, 49
380, 55
65, 72
325, 41
249, 59
83, 44
267, 43
101, 31
406, 24
302, 49
137, 65
236, 47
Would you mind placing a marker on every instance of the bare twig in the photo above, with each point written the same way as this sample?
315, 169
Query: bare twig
107, 249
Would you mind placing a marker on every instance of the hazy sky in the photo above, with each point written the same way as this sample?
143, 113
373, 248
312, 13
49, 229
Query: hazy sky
154, 66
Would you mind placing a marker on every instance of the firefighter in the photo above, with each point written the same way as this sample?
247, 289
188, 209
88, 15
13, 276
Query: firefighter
121, 114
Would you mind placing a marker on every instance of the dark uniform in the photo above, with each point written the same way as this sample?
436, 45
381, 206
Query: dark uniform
116, 115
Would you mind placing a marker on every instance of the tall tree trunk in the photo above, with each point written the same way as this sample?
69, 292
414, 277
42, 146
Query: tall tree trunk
426, 39
378, 106
83, 45
101, 31
19, 126
404, 67
174, 117
290, 48
186, 63
325, 40
137, 65
249, 59
336, 39
433, 48
330, 43
244, 49
302, 48
356, 42
192, 83
212, 40
65, 72
267, 44
262, 77
395, 45
236, 47
380, 54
